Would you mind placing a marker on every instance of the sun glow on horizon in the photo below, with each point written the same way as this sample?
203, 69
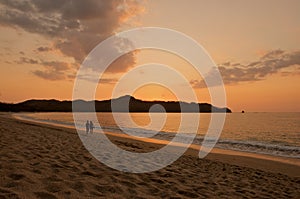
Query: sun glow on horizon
257, 52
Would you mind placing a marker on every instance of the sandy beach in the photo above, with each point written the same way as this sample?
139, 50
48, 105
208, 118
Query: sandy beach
43, 161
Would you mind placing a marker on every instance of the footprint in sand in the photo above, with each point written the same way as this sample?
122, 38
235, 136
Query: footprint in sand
44, 195
16, 176
7, 194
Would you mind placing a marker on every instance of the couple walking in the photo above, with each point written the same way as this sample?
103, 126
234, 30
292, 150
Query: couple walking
89, 126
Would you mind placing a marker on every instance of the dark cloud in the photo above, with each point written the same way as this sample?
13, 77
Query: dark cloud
53, 70
123, 63
57, 17
25, 60
51, 74
212, 79
252, 63
226, 64
272, 62
108, 81
75, 27
43, 49
273, 54
60, 66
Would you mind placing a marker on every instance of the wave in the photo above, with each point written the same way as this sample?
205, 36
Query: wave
261, 148
278, 149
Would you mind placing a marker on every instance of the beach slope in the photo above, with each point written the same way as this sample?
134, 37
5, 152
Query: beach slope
42, 161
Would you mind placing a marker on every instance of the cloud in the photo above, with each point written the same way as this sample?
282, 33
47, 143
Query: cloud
272, 62
108, 80
98, 80
51, 74
272, 54
59, 66
25, 60
123, 63
53, 70
43, 49
74, 27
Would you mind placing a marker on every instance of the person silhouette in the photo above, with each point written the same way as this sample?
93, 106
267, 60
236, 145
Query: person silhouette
91, 127
87, 126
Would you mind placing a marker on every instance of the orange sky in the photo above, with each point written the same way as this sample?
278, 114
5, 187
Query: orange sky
254, 43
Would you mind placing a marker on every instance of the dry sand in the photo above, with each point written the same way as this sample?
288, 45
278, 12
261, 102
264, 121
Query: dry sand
42, 161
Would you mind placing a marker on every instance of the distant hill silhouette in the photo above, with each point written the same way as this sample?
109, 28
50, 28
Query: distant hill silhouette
120, 104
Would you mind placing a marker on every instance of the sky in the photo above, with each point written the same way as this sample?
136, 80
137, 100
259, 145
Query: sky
254, 44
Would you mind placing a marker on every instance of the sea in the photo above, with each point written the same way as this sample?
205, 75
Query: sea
276, 134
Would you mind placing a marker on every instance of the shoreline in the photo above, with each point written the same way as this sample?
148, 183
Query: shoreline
46, 161
215, 151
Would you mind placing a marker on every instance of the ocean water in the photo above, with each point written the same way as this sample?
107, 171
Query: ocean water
275, 134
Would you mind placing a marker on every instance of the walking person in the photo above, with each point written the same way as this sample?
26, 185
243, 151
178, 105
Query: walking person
87, 126
91, 127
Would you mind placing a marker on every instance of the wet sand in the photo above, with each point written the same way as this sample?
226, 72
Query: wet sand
43, 161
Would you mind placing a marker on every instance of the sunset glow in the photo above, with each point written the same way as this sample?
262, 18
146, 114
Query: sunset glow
255, 44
